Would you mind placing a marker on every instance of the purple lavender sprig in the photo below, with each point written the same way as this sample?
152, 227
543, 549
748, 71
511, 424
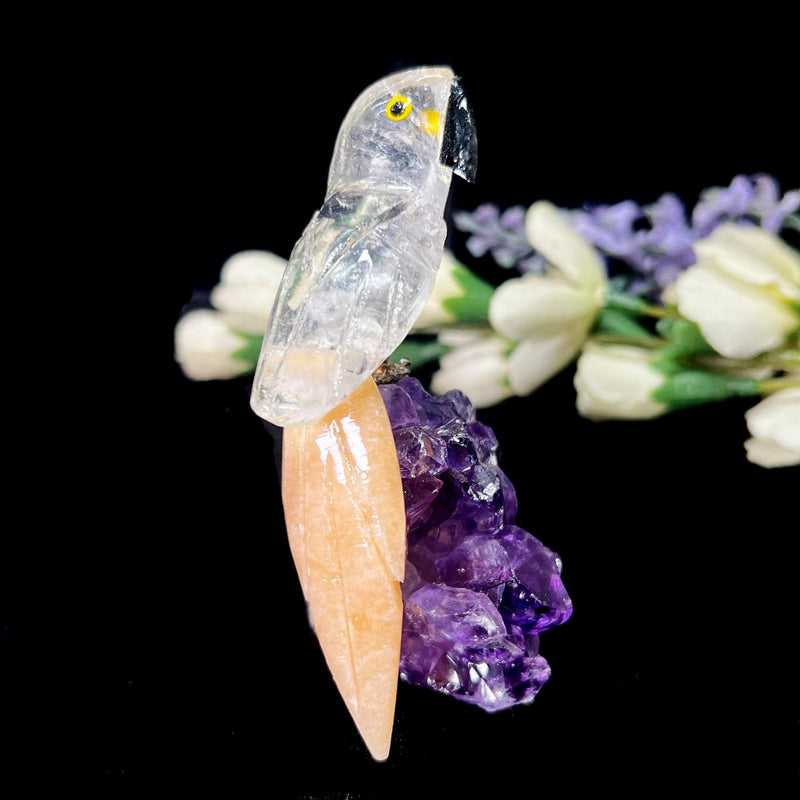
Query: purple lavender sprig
653, 242
656, 241
658, 252
501, 234
756, 200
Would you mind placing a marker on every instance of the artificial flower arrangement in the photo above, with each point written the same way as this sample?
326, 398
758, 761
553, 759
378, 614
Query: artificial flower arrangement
662, 310
401, 523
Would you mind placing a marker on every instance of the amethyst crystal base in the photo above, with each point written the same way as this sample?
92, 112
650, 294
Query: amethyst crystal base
479, 590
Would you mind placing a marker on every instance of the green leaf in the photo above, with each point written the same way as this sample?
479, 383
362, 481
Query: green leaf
792, 221
419, 352
250, 351
473, 304
684, 339
695, 387
685, 336
669, 359
618, 283
620, 323
625, 301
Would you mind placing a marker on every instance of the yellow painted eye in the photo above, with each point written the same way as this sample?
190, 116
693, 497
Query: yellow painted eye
399, 107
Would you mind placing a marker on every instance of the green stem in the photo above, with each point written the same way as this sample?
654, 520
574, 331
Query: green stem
660, 312
788, 359
792, 221
773, 385
615, 322
651, 342
719, 363
694, 387
419, 352
630, 302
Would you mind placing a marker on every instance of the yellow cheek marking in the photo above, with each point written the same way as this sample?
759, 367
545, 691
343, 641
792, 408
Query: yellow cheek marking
402, 102
430, 121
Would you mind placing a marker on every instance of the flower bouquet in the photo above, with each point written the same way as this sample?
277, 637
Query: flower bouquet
661, 309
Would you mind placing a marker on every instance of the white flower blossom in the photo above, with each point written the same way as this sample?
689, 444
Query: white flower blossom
249, 281
206, 346
549, 315
478, 367
774, 425
743, 292
536, 359
456, 337
617, 382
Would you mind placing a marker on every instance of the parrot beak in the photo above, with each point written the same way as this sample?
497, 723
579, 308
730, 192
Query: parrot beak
460, 142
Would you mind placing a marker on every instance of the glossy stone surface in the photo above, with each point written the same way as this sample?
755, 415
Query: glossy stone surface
361, 272
478, 590
343, 502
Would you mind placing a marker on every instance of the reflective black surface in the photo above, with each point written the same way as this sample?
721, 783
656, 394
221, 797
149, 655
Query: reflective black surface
460, 145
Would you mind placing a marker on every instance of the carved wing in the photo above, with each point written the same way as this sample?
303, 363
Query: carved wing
355, 283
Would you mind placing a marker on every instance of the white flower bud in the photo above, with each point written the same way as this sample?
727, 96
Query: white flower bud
617, 382
249, 281
743, 292
446, 286
535, 360
205, 346
774, 425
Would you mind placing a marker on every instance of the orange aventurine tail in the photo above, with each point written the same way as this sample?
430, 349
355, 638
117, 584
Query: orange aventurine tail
345, 516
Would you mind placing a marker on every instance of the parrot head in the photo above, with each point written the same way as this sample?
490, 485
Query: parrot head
410, 130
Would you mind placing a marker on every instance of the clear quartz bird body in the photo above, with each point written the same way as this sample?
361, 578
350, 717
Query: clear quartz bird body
360, 274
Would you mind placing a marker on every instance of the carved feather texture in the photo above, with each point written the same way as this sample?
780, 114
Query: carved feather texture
345, 517
364, 266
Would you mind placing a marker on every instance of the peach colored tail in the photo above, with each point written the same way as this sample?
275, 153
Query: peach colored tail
345, 516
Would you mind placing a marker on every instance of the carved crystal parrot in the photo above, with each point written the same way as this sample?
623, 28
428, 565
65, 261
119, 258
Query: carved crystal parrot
356, 281
362, 270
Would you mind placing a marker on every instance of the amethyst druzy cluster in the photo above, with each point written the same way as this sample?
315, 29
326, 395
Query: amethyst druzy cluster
479, 590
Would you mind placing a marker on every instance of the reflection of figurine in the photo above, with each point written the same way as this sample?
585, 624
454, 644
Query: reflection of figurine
355, 283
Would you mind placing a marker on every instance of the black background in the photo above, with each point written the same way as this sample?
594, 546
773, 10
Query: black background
153, 637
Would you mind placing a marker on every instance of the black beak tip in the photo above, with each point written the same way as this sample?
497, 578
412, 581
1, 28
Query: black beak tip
460, 143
